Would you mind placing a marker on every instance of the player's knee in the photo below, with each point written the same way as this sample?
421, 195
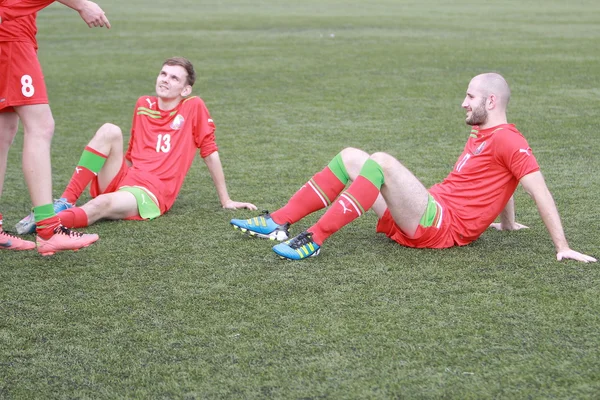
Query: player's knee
99, 207
353, 152
42, 131
384, 159
7, 136
109, 132
353, 160
8, 131
352, 155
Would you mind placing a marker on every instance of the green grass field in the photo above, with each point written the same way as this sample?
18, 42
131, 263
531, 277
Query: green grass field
185, 307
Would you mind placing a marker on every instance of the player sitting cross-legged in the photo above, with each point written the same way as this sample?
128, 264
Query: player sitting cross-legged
168, 130
454, 212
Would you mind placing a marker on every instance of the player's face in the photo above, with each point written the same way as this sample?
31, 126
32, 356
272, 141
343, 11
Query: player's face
475, 104
478, 114
172, 82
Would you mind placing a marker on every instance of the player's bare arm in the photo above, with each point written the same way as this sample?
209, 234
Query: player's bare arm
90, 12
535, 185
507, 218
215, 168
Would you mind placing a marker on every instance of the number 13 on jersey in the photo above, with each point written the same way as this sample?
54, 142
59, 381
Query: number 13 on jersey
163, 143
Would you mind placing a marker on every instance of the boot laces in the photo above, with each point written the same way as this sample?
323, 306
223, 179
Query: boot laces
301, 240
62, 230
8, 234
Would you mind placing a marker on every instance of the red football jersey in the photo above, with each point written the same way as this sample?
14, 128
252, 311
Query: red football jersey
163, 144
17, 20
484, 178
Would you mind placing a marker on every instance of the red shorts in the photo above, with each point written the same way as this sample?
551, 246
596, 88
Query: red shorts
131, 177
22, 81
432, 237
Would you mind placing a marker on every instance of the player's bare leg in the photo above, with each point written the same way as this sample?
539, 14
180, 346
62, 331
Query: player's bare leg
38, 128
9, 124
106, 150
116, 205
402, 193
108, 140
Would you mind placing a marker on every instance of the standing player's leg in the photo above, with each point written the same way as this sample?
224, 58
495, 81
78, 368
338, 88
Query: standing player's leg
9, 124
101, 159
38, 128
381, 178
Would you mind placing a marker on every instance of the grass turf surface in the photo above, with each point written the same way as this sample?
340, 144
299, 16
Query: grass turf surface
185, 307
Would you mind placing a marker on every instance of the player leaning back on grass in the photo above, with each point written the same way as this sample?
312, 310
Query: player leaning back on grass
167, 132
454, 212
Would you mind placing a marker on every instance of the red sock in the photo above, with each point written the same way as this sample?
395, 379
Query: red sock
351, 204
45, 228
316, 194
83, 175
74, 218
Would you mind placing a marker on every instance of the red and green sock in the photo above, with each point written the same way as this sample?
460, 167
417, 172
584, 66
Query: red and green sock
90, 163
352, 203
46, 220
316, 194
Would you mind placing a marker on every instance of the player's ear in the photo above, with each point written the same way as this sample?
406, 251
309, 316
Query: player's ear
187, 90
492, 101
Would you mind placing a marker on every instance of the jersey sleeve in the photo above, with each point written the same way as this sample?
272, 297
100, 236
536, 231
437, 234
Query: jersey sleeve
204, 131
21, 8
514, 152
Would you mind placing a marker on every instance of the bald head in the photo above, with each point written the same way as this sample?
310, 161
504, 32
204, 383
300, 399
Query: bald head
492, 83
486, 100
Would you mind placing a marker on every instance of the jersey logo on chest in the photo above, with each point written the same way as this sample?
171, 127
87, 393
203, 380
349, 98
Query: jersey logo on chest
479, 149
177, 122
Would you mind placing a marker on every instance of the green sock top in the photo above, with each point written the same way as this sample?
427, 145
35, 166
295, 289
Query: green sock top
91, 161
43, 212
373, 172
339, 169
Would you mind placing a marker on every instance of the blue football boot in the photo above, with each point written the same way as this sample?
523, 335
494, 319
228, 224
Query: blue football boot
297, 248
262, 226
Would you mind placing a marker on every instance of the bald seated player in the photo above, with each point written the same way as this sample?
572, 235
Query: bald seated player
454, 212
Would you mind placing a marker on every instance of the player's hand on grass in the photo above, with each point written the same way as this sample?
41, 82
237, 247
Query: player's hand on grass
234, 205
574, 255
514, 227
93, 15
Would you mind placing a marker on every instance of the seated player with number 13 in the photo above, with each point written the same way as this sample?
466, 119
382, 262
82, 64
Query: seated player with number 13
143, 183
